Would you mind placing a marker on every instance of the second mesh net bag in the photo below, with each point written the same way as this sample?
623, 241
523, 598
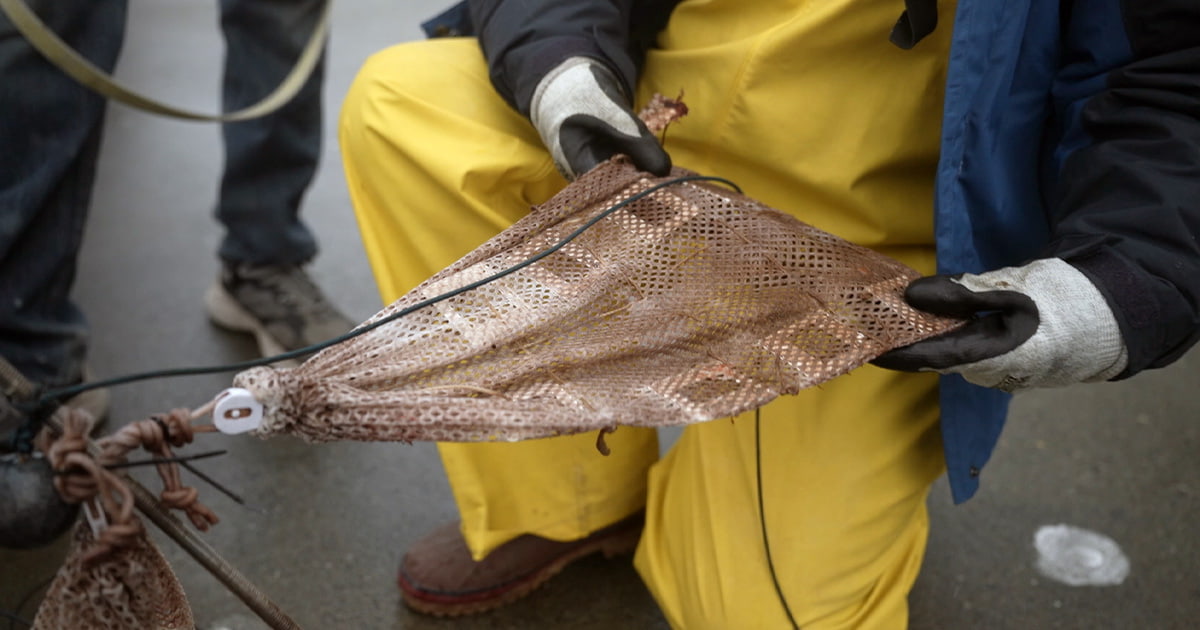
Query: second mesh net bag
690, 303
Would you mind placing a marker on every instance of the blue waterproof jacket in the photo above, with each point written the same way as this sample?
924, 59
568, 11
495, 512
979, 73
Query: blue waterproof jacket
1071, 129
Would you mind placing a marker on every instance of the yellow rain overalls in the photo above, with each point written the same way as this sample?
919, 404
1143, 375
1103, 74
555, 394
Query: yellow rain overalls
810, 109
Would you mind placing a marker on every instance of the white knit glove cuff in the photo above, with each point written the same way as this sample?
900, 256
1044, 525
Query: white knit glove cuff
1077, 339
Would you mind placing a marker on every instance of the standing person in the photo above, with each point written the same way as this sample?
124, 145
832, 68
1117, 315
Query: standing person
50, 132
1049, 151
269, 163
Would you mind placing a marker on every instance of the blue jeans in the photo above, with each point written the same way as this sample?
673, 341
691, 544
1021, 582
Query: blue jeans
270, 161
50, 129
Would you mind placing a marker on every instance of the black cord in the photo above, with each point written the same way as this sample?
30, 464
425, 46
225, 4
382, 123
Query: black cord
762, 519
153, 461
67, 392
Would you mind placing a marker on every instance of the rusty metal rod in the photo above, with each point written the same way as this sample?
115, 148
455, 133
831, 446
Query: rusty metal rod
208, 558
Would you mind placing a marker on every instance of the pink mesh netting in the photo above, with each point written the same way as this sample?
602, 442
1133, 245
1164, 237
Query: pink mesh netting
690, 304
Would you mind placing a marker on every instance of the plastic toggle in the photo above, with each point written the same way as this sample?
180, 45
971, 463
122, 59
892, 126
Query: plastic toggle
96, 518
237, 411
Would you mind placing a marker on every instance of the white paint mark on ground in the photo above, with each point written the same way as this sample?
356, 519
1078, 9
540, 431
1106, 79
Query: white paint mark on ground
1079, 557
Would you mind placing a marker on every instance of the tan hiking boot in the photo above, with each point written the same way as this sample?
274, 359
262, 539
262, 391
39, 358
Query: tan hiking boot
280, 305
14, 386
439, 577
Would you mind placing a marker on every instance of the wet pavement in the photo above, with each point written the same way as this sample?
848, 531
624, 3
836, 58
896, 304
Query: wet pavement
328, 523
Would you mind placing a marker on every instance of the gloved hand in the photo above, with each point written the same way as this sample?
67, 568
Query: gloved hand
1040, 325
584, 118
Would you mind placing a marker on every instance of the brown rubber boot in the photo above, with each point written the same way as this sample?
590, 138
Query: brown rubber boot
439, 577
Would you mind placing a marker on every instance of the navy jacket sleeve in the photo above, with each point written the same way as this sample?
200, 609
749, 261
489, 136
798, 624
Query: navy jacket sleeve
524, 39
1127, 206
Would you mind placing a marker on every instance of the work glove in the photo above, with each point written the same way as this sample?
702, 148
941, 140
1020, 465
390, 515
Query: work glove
1040, 325
584, 118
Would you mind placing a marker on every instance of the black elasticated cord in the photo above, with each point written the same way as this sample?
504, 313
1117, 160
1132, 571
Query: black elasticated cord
762, 519
51, 398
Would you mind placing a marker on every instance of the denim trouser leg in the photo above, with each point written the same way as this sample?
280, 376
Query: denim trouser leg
50, 129
269, 162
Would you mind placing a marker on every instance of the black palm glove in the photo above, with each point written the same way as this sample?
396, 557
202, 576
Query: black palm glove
1041, 325
584, 119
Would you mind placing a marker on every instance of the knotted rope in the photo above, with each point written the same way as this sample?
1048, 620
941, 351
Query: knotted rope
83, 478
157, 435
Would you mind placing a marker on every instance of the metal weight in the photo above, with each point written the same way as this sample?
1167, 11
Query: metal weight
32, 513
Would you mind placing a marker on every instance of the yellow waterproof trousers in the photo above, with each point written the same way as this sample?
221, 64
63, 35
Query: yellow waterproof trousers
810, 109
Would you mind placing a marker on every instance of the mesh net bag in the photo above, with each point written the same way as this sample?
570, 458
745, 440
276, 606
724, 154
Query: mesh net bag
691, 303
129, 587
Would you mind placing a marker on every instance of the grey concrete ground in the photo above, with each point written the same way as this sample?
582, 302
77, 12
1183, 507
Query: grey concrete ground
330, 522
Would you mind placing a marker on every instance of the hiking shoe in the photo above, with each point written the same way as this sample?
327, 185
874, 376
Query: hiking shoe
13, 384
439, 577
279, 305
